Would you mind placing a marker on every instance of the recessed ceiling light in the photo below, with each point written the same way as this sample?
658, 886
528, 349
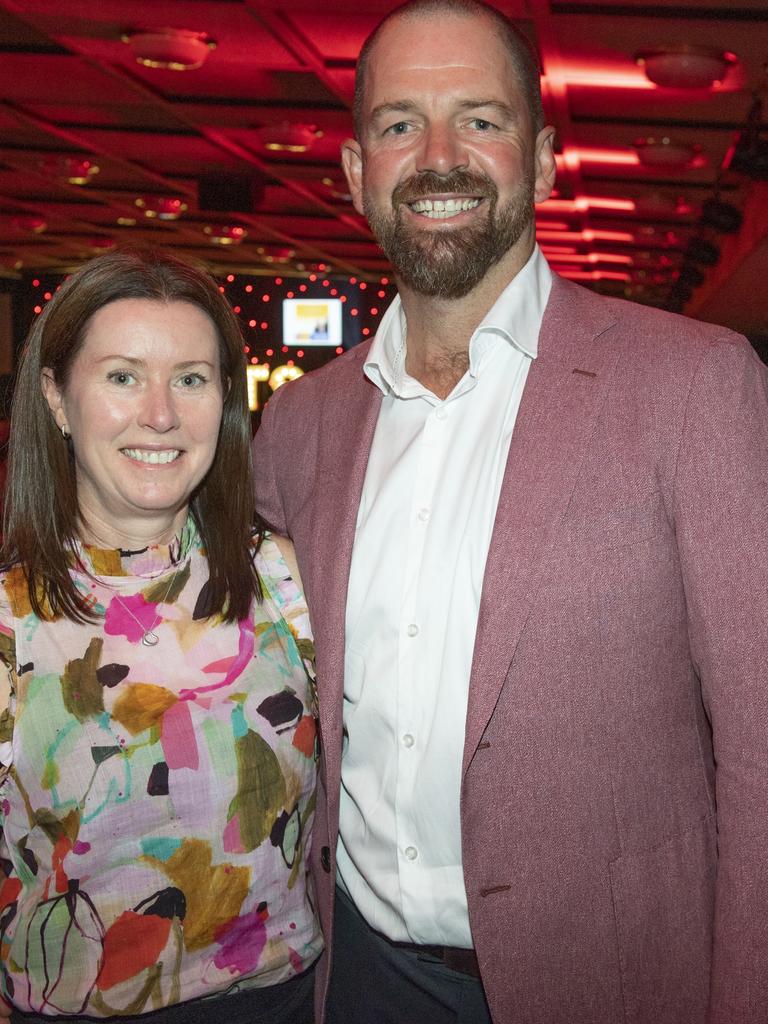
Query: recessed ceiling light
686, 67
226, 234
666, 152
287, 138
162, 207
170, 49
75, 170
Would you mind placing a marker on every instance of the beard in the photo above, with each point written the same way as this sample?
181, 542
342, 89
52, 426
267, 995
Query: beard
448, 263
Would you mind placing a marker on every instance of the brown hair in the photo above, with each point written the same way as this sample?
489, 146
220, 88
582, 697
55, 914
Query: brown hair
41, 512
521, 52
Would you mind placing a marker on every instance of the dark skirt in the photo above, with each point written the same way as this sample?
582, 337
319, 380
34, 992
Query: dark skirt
291, 1002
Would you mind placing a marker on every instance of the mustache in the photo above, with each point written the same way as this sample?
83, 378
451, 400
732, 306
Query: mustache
427, 183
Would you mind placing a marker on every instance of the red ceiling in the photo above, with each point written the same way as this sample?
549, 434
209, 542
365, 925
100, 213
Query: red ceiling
70, 86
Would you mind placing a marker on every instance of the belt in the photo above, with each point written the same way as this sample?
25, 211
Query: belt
462, 960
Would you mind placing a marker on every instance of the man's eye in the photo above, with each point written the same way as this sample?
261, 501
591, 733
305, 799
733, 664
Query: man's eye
400, 128
481, 124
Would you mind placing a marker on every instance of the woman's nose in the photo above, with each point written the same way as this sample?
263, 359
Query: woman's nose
159, 409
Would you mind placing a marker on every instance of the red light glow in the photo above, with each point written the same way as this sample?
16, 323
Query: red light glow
593, 155
598, 77
595, 275
583, 203
588, 235
591, 257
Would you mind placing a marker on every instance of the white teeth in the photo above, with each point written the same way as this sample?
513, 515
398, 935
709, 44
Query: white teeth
154, 458
440, 209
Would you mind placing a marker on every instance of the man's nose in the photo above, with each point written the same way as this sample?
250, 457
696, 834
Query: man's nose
442, 151
158, 410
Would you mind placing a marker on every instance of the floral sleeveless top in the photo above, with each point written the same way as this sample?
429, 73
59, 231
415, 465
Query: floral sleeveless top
156, 801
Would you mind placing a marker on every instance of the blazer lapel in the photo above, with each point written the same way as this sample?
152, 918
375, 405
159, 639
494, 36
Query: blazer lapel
566, 387
349, 417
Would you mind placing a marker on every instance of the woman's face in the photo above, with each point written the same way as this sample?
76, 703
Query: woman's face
143, 405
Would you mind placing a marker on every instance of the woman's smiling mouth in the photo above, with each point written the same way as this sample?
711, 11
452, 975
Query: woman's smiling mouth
153, 458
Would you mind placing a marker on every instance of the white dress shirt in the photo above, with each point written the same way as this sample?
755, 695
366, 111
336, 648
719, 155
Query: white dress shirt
423, 531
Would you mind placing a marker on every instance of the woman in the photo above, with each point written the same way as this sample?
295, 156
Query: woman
159, 732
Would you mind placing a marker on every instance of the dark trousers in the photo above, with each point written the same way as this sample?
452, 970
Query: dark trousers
288, 1003
376, 982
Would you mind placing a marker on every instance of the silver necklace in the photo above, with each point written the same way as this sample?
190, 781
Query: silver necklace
149, 637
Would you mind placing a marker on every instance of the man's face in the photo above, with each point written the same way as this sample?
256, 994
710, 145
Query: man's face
447, 169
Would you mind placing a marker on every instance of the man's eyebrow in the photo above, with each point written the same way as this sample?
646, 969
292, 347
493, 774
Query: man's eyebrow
398, 107
505, 109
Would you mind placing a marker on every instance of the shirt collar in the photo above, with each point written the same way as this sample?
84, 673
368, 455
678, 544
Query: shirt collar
515, 316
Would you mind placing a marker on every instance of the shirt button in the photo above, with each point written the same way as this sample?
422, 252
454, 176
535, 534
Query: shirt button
408, 740
423, 515
413, 630
411, 852
440, 414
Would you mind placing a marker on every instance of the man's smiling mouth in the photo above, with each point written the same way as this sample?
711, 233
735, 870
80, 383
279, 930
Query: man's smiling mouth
440, 209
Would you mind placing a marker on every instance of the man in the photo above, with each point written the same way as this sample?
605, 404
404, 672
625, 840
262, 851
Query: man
530, 522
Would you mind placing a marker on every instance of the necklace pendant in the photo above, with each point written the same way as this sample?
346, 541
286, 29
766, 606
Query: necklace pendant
150, 639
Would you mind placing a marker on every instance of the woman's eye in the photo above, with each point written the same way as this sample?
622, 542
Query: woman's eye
121, 377
192, 380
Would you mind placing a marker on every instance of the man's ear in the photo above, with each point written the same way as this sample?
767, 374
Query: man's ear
53, 396
545, 167
352, 162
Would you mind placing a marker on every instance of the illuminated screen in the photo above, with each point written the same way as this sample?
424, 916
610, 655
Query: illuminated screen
308, 322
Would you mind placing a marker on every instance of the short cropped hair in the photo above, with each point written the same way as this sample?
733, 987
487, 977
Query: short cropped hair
524, 59
41, 508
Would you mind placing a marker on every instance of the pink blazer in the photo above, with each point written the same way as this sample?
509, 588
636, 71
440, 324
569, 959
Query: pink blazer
615, 789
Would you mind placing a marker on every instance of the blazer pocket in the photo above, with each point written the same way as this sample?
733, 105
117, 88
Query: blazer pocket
623, 522
663, 901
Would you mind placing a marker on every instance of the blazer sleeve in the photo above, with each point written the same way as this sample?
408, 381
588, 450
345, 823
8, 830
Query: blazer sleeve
721, 503
270, 447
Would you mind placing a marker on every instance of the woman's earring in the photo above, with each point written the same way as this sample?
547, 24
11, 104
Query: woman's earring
65, 433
